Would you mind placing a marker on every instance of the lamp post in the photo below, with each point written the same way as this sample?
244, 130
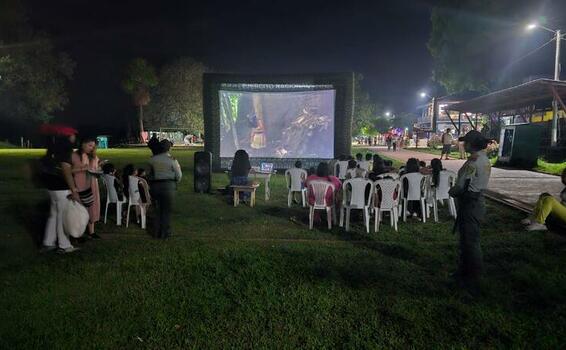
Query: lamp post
434, 109
557, 37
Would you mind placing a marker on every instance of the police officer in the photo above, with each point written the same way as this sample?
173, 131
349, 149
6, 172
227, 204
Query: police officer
472, 180
164, 175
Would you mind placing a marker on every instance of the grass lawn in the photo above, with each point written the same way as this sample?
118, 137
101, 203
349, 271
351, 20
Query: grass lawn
438, 151
251, 277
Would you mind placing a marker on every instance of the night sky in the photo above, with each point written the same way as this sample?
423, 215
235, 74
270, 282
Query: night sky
383, 40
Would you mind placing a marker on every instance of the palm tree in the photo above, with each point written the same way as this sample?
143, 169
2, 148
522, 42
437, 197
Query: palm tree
140, 78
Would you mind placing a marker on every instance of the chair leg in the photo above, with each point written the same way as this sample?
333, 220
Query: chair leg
341, 217
347, 219
236, 199
128, 216
375, 224
304, 197
289, 199
366, 218
143, 217
435, 208
106, 211
329, 217
395, 219
423, 210
405, 210
119, 207
311, 217
252, 201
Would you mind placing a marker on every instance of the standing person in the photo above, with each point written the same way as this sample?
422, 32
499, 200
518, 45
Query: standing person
85, 162
446, 143
164, 174
394, 142
58, 179
472, 180
461, 148
388, 140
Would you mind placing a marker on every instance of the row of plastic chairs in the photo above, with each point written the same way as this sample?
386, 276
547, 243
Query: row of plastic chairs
134, 200
391, 186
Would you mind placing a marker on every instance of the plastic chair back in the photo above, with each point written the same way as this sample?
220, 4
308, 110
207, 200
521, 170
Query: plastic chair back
295, 178
133, 190
357, 189
111, 194
445, 182
364, 164
390, 193
415, 185
319, 190
342, 169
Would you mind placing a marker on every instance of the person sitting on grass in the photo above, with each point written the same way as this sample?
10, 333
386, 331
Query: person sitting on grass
240, 170
323, 174
547, 206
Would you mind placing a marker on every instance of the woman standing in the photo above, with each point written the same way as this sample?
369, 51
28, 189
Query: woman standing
58, 180
85, 162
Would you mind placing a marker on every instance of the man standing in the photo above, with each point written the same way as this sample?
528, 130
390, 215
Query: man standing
446, 143
164, 175
472, 180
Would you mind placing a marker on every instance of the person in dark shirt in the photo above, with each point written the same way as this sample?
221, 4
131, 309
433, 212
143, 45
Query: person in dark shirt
240, 170
58, 180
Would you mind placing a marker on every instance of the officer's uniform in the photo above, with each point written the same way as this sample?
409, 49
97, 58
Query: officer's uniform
473, 178
164, 175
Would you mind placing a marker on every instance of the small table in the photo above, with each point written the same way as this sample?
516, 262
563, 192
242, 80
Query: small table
244, 188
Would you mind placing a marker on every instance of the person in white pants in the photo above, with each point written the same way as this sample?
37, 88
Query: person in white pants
58, 179
54, 228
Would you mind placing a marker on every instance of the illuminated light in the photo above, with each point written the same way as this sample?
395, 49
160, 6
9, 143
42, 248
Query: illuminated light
423, 94
531, 26
387, 114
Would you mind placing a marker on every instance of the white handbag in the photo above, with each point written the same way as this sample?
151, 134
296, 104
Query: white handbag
75, 219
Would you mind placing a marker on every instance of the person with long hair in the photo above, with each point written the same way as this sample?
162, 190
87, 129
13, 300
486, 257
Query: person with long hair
85, 164
58, 179
240, 170
436, 167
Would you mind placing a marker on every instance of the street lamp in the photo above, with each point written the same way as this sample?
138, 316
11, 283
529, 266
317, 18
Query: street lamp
423, 95
557, 37
387, 114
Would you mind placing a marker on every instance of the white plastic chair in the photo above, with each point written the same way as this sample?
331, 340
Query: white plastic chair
112, 197
389, 202
446, 180
364, 164
295, 179
134, 200
416, 191
354, 198
342, 169
319, 190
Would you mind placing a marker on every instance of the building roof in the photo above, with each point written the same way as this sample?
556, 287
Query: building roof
537, 92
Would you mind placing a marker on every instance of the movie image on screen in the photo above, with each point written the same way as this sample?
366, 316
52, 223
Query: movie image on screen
277, 124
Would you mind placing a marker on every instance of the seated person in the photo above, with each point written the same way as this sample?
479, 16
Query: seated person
435, 169
240, 170
366, 165
547, 206
378, 168
142, 174
412, 166
423, 169
299, 165
323, 174
110, 170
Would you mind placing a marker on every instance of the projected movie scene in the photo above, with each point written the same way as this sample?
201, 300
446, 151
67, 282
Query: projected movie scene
297, 124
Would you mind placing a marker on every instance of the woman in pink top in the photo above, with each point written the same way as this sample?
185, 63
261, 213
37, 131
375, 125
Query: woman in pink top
85, 160
323, 174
